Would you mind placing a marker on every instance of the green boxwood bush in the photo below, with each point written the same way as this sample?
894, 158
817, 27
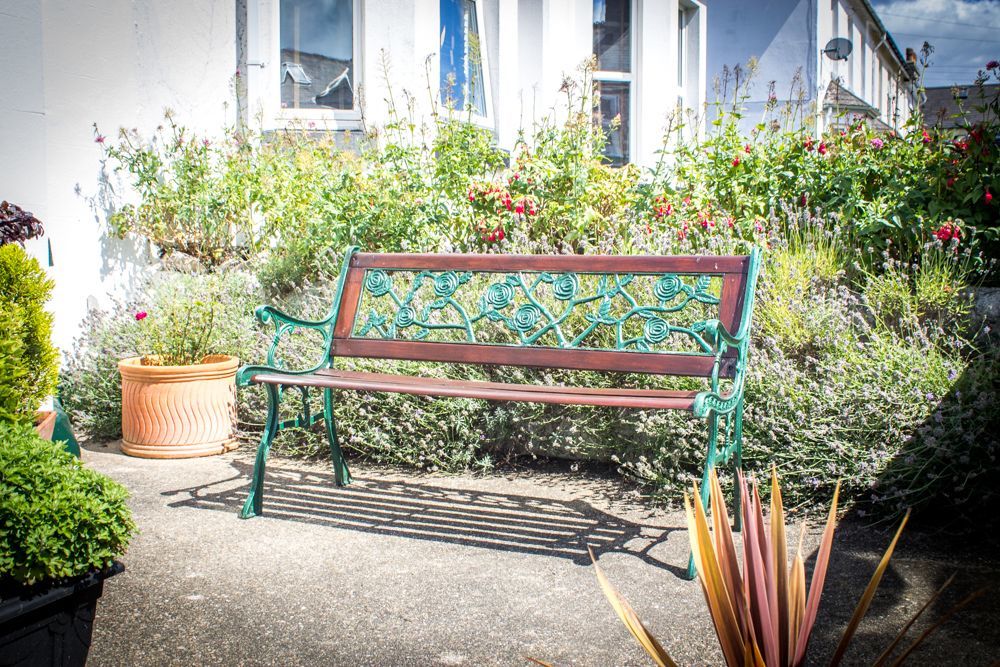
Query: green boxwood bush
58, 519
29, 364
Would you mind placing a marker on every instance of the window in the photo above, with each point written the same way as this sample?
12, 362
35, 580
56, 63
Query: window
463, 85
613, 78
317, 54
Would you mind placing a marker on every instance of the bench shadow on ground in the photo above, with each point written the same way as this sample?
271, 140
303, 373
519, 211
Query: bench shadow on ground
424, 511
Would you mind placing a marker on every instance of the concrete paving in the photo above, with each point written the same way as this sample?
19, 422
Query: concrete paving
403, 568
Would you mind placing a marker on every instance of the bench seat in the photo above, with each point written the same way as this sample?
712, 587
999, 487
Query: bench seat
658, 399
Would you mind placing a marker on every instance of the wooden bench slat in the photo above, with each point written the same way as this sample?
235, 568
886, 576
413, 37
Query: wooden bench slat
409, 384
554, 263
661, 363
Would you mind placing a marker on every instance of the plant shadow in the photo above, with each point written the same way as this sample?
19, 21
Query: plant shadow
425, 511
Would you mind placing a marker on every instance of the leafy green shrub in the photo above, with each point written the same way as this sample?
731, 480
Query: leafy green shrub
91, 385
29, 364
58, 519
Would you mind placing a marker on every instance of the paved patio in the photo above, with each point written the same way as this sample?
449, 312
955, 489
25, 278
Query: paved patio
409, 569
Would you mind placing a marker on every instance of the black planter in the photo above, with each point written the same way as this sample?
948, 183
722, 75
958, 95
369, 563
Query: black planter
51, 625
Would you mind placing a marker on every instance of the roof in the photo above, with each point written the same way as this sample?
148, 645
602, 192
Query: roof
955, 106
842, 100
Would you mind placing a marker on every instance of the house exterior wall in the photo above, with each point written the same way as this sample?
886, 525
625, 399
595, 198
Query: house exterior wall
116, 63
788, 38
68, 64
872, 71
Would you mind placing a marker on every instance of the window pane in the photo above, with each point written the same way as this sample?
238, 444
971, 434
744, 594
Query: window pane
461, 59
317, 54
613, 108
612, 43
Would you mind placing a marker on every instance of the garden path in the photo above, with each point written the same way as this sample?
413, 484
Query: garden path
403, 568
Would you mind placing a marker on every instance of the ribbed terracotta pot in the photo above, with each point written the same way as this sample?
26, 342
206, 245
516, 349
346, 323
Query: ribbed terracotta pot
176, 412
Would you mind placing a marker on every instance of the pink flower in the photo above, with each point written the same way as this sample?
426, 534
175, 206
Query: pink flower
99, 139
205, 142
140, 316
746, 149
877, 143
988, 197
822, 149
926, 137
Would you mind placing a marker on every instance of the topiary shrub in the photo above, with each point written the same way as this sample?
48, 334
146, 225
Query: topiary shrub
24, 291
58, 519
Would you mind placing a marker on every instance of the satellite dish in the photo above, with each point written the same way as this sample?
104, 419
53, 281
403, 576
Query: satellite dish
838, 48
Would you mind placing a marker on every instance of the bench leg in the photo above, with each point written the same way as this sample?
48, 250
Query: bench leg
342, 476
713, 443
737, 416
254, 504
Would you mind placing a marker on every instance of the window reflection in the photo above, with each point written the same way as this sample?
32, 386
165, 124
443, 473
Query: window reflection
317, 54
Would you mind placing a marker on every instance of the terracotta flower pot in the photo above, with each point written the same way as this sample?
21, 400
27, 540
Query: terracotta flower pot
45, 423
174, 412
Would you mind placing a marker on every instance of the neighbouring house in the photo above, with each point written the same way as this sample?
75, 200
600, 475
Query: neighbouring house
838, 51
286, 64
957, 109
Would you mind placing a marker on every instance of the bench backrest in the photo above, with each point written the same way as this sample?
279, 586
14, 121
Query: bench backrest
585, 312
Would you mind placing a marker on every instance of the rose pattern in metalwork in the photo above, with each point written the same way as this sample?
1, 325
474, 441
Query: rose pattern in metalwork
447, 283
565, 286
405, 317
667, 287
610, 305
655, 330
526, 317
378, 283
499, 295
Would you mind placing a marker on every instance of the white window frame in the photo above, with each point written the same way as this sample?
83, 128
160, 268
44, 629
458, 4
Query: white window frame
683, 51
488, 121
264, 85
626, 77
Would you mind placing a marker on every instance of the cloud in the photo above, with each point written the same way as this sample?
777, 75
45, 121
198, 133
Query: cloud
965, 34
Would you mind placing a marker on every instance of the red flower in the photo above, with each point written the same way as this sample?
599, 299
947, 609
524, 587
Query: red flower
926, 137
472, 195
988, 197
992, 65
822, 149
951, 181
140, 316
736, 161
808, 144
746, 149
803, 200
520, 207
947, 232
500, 234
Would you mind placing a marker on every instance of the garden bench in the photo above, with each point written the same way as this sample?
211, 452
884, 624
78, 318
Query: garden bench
597, 313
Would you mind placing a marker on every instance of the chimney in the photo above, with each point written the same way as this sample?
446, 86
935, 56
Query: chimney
911, 62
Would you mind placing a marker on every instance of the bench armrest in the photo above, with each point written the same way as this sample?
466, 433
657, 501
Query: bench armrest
285, 324
718, 333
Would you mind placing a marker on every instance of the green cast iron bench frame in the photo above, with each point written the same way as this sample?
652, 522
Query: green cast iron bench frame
722, 344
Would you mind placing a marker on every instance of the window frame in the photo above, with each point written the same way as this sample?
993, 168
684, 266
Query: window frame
611, 76
488, 121
268, 84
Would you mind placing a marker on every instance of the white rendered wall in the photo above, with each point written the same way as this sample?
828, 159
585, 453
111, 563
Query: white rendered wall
114, 62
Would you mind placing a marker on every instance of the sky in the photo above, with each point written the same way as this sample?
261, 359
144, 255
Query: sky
965, 34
